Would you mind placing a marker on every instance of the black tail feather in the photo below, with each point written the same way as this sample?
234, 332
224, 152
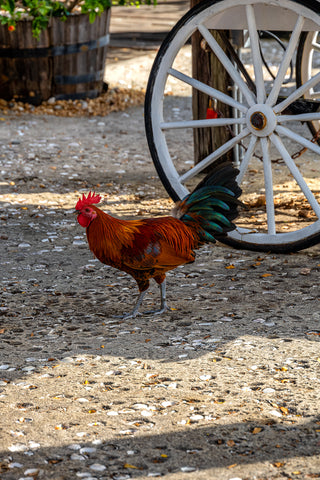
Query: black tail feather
222, 173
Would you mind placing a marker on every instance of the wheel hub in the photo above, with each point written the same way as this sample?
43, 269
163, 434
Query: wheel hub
261, 120
258, 120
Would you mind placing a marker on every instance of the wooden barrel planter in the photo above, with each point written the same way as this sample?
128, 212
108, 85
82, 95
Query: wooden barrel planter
66, 62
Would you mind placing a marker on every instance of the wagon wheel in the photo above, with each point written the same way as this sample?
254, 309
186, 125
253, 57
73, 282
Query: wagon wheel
266, 125
307, 65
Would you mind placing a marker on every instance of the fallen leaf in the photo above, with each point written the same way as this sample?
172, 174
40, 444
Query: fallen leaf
59, 427
128, 465
259, 202
256, 430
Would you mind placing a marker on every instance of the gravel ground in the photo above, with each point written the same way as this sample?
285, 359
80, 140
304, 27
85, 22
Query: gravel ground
224, 386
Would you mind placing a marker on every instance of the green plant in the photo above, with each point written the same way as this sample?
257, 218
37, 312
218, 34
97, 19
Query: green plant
40, 11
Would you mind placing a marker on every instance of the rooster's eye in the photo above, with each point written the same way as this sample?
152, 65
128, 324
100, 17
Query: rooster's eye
87, 209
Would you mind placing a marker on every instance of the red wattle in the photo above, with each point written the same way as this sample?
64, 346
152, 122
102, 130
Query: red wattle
84, 221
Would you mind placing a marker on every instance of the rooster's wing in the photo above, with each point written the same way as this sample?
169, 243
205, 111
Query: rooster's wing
161, 243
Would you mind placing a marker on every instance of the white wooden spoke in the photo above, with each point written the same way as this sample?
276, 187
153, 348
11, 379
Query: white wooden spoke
210, 91
228, 65
211, 122
214, 156
313, 95
276, 140
272, 98
256, 56
315, 44
297, 93
246, 159
268, 184
303, 117
298, 138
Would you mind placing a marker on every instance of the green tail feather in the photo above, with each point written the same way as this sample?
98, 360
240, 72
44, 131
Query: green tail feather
216, 216
187, 218
212, 227
212, 202
206, 192
207, 237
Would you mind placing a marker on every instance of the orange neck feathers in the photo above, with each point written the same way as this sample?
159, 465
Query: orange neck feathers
107, 235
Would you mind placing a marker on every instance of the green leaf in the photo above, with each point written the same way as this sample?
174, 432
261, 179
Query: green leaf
92, 16
42, 10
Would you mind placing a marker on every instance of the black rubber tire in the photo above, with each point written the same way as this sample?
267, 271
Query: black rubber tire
273, 248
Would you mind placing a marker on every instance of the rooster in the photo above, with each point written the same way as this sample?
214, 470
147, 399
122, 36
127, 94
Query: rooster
148, 248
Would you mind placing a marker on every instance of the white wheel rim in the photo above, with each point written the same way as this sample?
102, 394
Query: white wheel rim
309, 61
261, 104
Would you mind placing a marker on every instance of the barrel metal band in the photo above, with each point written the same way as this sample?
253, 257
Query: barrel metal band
75, 79
54, 51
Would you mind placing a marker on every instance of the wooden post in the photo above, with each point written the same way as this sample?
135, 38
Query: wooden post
207, 68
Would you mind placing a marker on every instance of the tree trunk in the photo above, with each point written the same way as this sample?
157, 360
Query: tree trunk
207, 68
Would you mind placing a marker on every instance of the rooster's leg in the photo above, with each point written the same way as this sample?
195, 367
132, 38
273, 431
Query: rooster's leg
163, 305
135, 311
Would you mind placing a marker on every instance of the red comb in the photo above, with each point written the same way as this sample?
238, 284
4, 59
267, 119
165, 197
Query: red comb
89, 200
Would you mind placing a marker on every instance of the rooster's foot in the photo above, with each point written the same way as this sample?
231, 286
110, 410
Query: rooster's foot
162, 309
